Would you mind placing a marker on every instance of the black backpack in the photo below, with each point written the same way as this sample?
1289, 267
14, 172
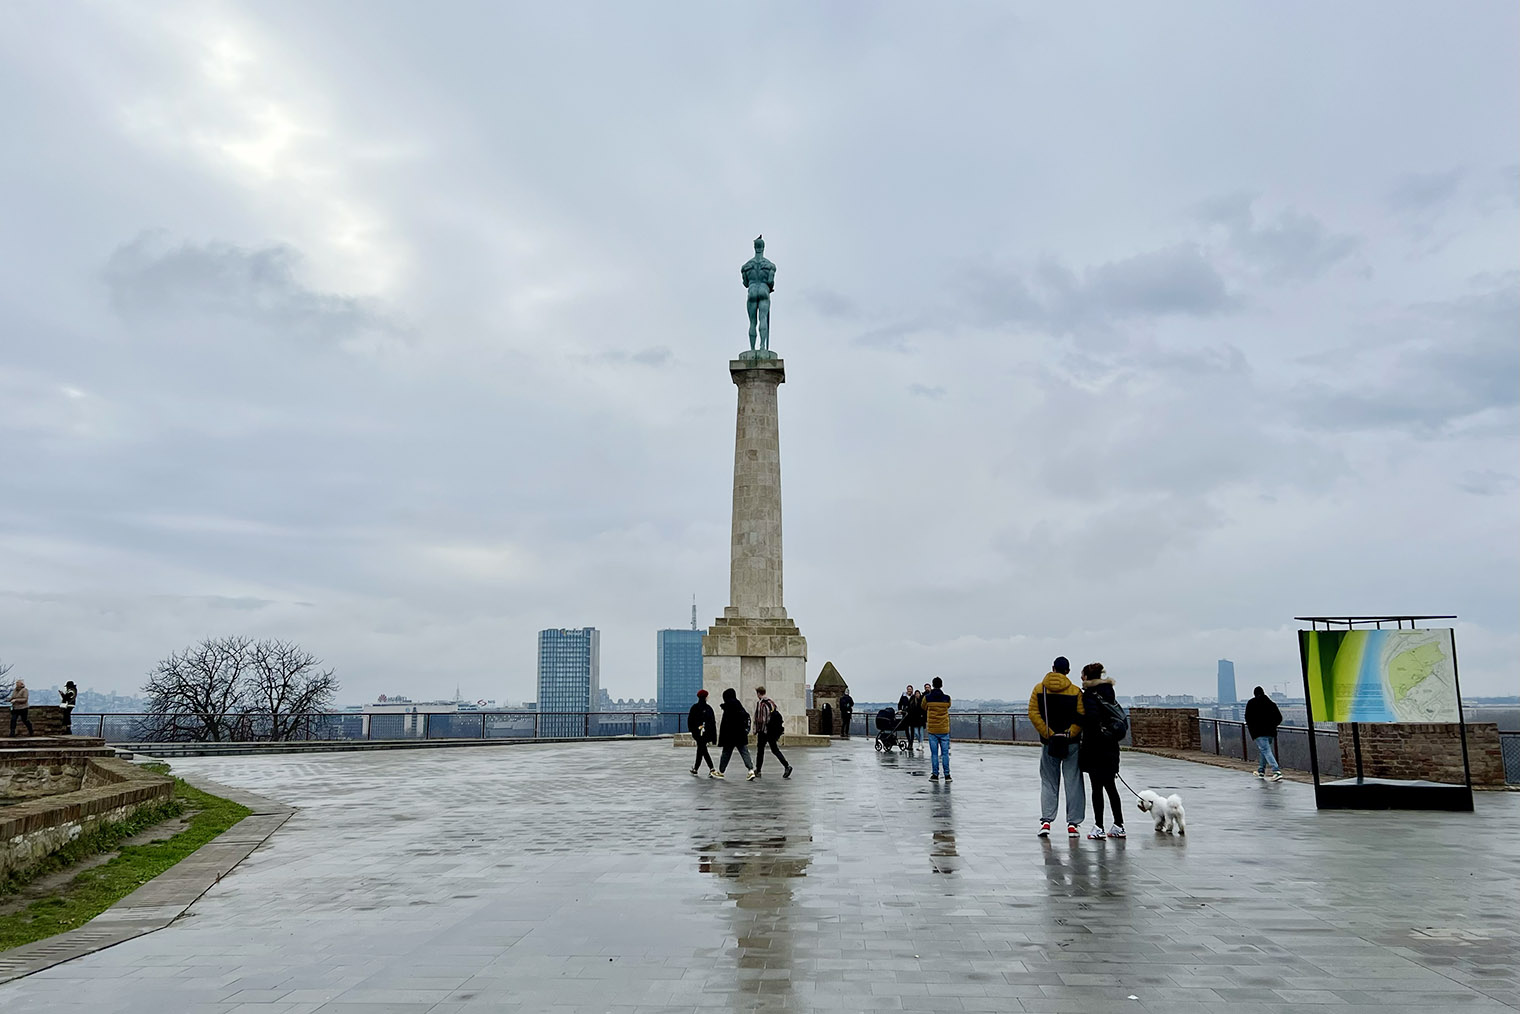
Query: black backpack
1109, 718
774, 726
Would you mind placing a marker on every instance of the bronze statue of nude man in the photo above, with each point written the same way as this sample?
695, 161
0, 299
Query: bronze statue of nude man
759, 277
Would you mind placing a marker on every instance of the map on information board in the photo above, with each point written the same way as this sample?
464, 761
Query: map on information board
1381, 675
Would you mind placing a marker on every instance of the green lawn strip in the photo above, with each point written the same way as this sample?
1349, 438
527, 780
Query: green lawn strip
96, 890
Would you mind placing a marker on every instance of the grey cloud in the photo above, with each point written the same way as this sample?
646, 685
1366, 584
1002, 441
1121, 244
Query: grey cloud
934, 393
1177, 280
1487, 482
1420, 192
1293, 246
1461, 359
829, 303
152, 280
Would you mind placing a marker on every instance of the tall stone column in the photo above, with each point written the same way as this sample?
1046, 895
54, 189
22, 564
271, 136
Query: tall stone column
754, 643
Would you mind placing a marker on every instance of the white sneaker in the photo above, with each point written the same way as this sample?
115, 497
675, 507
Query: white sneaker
1096, 834
752, 776
715, 774
1261, 774
1276, 776
1117, 831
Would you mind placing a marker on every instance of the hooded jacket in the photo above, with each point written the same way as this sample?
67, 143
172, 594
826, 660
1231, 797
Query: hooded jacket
937, 711
1100, 755
733, 727
1066, 708
1262, 716
701, 722
20, 696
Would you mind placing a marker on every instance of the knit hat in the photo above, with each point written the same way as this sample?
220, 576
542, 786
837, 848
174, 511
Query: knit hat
701, 693
1060, 664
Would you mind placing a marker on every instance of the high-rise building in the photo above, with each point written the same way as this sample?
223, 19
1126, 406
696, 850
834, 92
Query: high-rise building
1226, 693
569, 679
678, 668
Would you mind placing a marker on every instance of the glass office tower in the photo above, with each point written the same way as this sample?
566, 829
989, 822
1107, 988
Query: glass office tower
678, 669
569, 680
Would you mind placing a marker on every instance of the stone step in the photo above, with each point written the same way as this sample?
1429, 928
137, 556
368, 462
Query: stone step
51, 742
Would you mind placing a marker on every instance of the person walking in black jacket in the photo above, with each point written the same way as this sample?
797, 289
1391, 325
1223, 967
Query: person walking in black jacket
733, 734
1099, 755
846, 712
1262, 719
703, 726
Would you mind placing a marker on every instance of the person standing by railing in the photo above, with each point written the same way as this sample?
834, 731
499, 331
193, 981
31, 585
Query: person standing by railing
1055, 708
67, 698
1100, 752
1262, 719
937, 725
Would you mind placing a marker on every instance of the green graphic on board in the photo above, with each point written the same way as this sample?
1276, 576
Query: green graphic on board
1381, 675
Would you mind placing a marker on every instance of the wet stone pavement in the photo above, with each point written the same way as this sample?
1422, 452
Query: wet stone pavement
603, 877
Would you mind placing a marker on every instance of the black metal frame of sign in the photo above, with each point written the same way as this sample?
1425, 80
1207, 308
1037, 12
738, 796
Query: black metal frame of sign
1362, 793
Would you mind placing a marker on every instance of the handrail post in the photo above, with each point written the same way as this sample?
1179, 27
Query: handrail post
482, 725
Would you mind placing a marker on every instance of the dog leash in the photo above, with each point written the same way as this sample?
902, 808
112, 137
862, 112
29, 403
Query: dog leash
1126, 785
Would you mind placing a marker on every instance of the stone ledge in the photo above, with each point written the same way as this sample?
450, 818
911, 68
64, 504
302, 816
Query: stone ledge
114, 790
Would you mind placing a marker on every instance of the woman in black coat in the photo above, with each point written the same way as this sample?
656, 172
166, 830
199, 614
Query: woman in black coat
733, 733
1099, 755
703, 726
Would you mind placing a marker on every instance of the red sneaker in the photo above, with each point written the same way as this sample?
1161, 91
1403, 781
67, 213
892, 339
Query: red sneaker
1073, 831
1044, 829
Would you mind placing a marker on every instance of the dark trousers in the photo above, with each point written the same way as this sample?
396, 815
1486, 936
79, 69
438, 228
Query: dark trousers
761, 742
1101, 784
21, 713
908, 735
844, 723
702, 755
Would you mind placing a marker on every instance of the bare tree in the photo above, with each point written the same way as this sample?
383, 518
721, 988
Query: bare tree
287, 687
198, 693
236, 688
5, 684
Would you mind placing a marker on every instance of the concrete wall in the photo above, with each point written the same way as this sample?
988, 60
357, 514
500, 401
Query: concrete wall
32, 830
1164, 728
1421, 750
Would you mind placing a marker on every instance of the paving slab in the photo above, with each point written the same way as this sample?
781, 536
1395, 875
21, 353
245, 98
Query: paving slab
603, 877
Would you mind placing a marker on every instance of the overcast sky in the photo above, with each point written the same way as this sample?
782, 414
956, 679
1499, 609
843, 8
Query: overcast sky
401, 330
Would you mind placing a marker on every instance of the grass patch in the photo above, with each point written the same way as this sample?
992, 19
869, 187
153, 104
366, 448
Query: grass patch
96, 890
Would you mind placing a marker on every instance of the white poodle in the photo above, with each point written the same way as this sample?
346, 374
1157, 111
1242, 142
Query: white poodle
1167, 810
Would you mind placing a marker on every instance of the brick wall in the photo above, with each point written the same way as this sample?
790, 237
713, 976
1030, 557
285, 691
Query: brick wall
1164, 728
47, 720
1423, 750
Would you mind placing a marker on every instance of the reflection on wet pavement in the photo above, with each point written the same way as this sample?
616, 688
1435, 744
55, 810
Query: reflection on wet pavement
603, 877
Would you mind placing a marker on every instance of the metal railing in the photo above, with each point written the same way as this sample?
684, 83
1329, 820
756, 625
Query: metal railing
1224, 738
1509, 745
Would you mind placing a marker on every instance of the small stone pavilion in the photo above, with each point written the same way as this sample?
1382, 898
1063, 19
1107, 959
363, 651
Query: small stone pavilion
828, 688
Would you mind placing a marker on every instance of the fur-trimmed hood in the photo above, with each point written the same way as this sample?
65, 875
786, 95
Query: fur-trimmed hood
1094, 684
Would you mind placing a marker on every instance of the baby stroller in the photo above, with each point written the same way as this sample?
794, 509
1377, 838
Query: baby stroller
888, 725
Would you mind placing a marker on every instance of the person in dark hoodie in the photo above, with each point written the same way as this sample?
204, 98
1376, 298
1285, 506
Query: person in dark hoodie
733, 734
1099, 756
1055, 708
1262, 719
703, 726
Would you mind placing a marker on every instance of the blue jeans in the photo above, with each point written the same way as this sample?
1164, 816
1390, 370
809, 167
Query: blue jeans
939, 747
1052, 773
1264, 749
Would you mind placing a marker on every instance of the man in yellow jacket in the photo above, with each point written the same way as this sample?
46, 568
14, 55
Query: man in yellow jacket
1055, 708
937, 724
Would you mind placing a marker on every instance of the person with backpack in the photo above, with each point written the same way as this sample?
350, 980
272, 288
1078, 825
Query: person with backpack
768, 730
1263, 716
733, 734
1104, 726
1055, 708
703, 726
937, 722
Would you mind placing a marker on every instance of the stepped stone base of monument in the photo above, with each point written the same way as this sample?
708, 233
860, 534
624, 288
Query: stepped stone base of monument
766, 650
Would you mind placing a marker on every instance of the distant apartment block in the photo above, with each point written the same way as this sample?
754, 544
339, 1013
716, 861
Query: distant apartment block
1226, 693
678, 674
569, 678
